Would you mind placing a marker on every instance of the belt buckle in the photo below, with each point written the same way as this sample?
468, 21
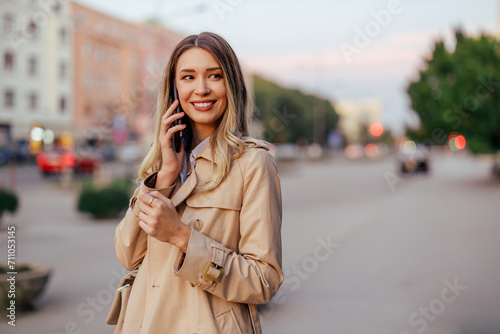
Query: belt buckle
211, 278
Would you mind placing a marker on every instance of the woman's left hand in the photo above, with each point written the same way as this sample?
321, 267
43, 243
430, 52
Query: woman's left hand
159, 219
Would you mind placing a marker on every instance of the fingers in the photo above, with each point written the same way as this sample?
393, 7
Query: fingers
153, 203
168, 131
159, 195
167, 139
146, 197
148, 229
170, 109
169, 117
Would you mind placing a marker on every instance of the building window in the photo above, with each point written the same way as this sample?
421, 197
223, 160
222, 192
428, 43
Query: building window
62, 105
114, 84
99, 27
32, 66
57, 7
99, 84
8, 23
86, 49
8, 61
33, 101
88, 111
87, 80
9, 98
80, 19
99, 54
32, 29
62, 70
62, 36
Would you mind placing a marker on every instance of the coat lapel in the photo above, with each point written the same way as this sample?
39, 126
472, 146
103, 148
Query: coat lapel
186, 189
192, 181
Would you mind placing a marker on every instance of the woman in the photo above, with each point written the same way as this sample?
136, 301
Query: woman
204, 226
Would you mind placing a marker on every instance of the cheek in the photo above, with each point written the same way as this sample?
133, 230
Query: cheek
222, 93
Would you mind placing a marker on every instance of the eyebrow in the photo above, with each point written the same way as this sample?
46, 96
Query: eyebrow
208, 69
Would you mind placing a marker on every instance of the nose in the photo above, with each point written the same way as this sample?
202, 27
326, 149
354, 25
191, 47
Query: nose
202, 88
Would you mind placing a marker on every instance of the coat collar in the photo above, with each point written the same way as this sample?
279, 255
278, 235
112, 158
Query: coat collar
206, 153
249, 142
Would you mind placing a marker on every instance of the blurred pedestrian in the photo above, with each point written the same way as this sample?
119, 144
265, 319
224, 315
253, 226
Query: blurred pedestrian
204, 227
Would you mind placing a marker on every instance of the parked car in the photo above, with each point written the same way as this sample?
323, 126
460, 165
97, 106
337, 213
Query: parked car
56, 160
414, 160
17, 152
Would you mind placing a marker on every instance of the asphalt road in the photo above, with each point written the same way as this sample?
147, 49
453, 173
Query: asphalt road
364, 251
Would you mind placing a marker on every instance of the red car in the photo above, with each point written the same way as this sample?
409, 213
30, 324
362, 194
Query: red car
55, 161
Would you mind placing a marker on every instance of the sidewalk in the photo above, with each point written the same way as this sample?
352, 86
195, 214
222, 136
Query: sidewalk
80, 252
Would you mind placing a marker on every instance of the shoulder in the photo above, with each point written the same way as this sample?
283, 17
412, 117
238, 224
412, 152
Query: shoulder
256, 149
256, 155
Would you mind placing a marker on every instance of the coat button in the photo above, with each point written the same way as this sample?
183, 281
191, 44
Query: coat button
197, 224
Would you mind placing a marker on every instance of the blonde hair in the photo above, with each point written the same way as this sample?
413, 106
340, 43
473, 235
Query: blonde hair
231, 126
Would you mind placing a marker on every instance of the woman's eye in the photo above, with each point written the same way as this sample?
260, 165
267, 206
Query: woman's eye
216, 76
187, 77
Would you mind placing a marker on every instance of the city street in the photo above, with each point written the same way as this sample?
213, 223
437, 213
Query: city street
364, 251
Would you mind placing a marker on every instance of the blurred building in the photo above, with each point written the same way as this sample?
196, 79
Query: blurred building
36, 69
356, 118
156, 44
77, 72
106, 61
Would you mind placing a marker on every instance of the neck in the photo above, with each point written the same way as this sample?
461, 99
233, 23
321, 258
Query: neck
200, 133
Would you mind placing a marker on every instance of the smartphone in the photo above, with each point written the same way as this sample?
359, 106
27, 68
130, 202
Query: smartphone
179, 135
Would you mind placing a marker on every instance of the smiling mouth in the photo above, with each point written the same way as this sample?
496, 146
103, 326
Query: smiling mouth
203, 104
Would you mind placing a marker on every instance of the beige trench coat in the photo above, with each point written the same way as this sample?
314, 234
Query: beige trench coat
237, 225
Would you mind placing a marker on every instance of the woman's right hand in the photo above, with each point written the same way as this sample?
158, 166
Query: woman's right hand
171, 160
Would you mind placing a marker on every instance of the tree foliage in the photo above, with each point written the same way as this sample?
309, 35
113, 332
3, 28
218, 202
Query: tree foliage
458, 92
291, 116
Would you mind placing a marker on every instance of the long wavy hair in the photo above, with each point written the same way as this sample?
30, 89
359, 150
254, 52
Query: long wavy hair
226, 139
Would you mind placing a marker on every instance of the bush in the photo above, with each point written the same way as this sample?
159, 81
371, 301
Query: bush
106, 202
8, 201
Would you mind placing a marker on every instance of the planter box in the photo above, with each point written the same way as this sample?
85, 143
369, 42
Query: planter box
30, 281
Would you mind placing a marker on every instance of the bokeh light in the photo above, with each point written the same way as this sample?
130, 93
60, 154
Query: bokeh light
48, 137
456, 143
353, 151
66, 141
371, 150
37, 133
451, 144
376, 129
460, 142
409, 147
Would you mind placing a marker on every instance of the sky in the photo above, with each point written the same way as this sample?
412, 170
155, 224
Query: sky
338, 49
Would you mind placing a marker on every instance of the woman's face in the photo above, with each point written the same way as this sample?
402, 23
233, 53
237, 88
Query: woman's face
202, 90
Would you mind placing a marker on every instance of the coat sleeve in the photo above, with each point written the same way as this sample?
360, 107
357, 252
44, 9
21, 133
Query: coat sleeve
254, 274
130, 240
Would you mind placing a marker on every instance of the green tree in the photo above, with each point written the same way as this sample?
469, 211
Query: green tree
458, 92
291, 116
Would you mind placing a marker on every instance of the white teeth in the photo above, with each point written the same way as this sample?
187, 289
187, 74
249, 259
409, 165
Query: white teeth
204, 104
